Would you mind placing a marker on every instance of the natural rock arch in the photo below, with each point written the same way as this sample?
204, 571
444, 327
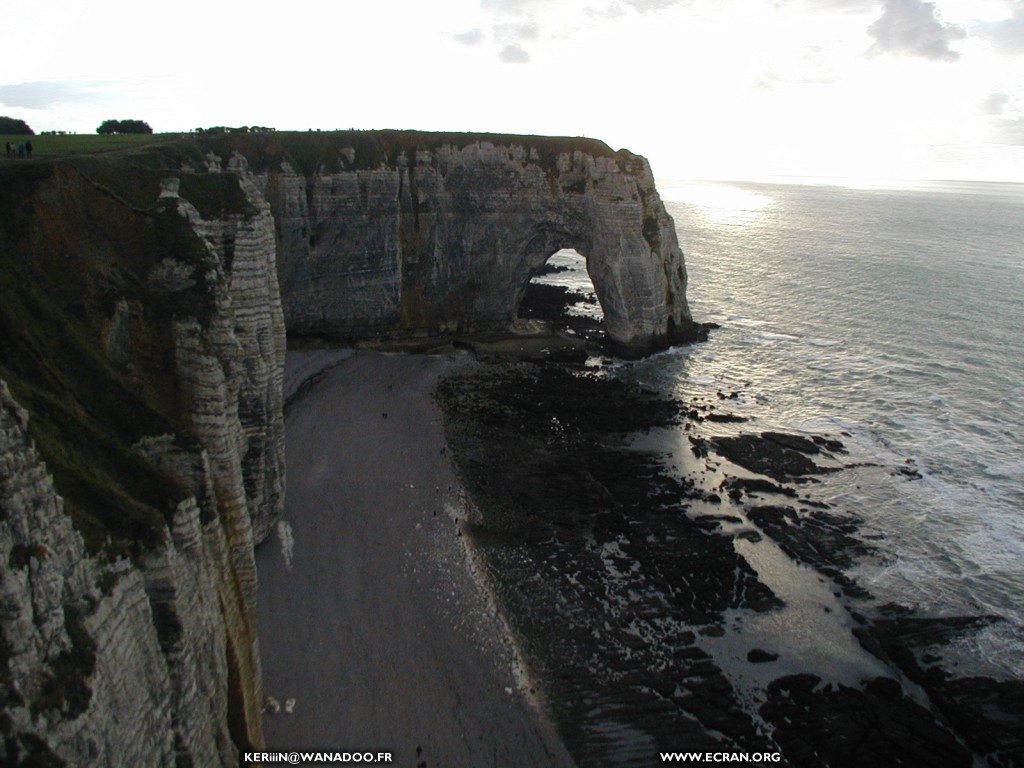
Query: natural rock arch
442, 236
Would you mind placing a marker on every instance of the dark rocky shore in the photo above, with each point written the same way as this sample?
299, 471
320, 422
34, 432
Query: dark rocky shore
619, 568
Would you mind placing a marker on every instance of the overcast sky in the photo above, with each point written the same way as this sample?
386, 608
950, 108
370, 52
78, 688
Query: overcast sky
704, 88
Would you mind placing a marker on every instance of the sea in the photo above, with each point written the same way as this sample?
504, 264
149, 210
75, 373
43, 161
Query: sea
895, 315
891, 316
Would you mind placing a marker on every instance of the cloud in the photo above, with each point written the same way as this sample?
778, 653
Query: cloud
514, 23
516, 27
472, 37
514, 7
911, 28
841, 6
1009, 131
647, 6
513, 54
1006, 36
46, 94
516, 32
994, 104
610, 11
1007, 124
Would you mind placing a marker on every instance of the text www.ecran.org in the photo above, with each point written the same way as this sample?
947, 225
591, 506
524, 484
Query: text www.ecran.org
721, 757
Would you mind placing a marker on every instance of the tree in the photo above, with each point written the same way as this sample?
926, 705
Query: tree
123, 126
14, 125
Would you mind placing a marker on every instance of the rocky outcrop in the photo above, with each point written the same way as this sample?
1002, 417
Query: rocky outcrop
246, 342
441, 234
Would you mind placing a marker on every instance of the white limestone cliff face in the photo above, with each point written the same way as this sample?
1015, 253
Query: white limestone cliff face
445, 239
154, 661
230, 368
247, 341
109, 663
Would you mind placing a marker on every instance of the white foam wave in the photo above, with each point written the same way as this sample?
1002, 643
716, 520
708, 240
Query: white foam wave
1010, 469
702, 381
770, 337
994, 648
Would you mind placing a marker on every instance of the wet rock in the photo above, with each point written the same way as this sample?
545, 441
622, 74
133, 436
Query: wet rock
783, 457
609, 573
765, 457
737, 486
726, 418
987, 712
844, 727
793, 442
825, 540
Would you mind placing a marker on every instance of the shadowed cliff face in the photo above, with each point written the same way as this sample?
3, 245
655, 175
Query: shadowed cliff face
141, 452
442, 235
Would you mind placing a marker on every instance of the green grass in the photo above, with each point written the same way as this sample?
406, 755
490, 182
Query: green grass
84, 143
306, 151
310, 151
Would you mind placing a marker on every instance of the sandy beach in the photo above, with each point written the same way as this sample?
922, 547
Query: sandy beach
370, 616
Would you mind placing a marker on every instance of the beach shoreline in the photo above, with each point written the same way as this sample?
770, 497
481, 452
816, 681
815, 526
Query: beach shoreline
373, 614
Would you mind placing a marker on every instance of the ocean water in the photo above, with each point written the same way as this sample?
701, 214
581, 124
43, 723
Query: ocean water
895, 318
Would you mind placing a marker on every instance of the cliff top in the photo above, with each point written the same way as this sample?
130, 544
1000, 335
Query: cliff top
310, 151
306, 151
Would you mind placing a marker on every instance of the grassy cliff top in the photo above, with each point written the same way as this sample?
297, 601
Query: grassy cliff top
307, 151
311, 150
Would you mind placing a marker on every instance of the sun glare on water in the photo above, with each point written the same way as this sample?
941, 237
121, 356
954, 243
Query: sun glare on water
718, 203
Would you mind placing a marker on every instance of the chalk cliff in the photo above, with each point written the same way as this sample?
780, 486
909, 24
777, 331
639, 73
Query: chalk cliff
143, 303
436, 233
141, 457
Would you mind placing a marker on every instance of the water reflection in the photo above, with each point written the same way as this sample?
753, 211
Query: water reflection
718, 202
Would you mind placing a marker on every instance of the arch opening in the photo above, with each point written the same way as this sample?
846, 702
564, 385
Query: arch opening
561, 294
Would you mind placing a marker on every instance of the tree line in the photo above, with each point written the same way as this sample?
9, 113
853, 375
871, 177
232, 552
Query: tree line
12, 125
124, 126
15, 126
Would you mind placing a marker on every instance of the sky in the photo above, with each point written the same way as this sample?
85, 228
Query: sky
705, 89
